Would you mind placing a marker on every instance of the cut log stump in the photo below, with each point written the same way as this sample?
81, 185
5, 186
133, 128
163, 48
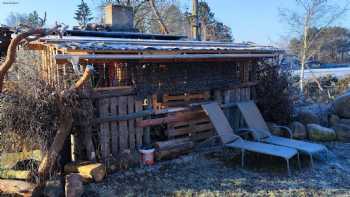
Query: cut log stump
88, 171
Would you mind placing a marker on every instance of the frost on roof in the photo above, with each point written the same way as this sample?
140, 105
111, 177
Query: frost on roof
98, 43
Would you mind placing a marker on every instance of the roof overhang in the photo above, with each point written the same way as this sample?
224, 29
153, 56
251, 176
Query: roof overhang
97, 58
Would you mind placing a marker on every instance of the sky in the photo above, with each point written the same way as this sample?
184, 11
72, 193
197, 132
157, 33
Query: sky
251, 20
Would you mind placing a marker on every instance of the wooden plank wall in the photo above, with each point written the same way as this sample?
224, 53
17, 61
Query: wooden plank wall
117, 136
238, 94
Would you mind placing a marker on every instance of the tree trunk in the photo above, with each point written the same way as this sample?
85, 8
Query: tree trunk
65, 121
304, 53
164, 28
49, 160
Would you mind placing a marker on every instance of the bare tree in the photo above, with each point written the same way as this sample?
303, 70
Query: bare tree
164, 28
310, 14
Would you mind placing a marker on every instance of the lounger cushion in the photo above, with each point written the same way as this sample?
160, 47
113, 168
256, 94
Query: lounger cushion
302, 146
262, 148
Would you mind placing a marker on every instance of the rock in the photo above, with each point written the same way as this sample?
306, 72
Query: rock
319, 133
333, 120
74, 185
343, 132
54, 188
306, 117
298, 129
341, 106
344, 121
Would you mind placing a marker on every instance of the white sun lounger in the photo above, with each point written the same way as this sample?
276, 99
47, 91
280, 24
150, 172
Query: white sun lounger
231, 140
257, 125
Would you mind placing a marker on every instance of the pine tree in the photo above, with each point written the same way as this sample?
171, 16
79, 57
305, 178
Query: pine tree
33, 19
83, 14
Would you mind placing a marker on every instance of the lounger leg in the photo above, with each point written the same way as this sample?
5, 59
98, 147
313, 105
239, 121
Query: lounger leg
242, 159
311, 161
288, 167
299, 164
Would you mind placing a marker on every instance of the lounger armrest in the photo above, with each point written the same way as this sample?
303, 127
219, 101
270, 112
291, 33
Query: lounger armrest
243, 131
289, 131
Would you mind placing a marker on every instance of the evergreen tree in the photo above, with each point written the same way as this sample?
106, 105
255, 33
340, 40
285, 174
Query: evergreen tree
83, 14
33, 19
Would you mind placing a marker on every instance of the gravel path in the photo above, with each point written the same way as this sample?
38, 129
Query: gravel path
218, 173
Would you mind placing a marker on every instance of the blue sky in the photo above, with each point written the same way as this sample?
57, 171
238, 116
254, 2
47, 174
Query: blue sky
250, 20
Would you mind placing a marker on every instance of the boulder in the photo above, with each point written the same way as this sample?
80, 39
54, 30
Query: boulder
333, 120
74, 185
54, 188
306, 117
344, 121
341, 106
319, 133
298, 129
343, 132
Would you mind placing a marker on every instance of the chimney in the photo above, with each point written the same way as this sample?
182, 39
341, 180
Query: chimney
119, 18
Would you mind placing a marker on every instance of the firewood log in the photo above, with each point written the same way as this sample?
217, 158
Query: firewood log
171, 143
173, 148
14, 187
15, 174
88, 171
9, 160
174, 151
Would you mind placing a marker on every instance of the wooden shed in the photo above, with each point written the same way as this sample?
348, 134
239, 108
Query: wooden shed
146, 88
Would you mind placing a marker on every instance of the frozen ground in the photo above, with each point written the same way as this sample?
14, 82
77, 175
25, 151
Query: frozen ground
218, 173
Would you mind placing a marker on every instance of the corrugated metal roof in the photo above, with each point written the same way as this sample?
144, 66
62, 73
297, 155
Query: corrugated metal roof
121, 44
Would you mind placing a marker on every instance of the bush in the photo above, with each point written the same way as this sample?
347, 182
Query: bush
274, 93
28, 107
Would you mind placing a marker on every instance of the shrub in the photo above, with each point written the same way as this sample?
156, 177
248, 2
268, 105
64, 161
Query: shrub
28, 107
274, 93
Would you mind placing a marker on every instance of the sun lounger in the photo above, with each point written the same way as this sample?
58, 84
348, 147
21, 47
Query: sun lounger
231, 140
261, 132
